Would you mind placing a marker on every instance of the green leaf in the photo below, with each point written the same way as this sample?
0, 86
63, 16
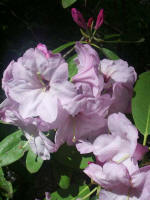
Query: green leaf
141, 104
67, 3
72, 67
109, 54
84, 161
33, 162
72, 193
13, 154
110, 36
10, 141
5, 185
62, 47
64, 182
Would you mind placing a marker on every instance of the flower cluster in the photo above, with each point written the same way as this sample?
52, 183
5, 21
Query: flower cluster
116, 168
40, 98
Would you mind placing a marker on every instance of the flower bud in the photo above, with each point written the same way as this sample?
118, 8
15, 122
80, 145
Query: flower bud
90, 21
100, 19
78, 18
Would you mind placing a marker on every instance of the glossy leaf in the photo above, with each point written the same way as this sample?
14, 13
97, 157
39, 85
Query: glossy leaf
33, 162
67, 3
13, 154
10, 141
5, 185
109, 54
72, 66
141, 104
63, 47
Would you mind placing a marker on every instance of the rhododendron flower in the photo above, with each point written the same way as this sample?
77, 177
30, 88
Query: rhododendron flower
118, 145
39, 143
119, 79
89, 122
119, 183
117, 71
35, 82
88, 75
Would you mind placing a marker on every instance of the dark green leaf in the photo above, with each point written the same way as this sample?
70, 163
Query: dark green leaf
109, 54
72, 67
72, 193
110, 36
5, 185
62, 47
67, 3
141, 104
72, 158
94, 198
33, 162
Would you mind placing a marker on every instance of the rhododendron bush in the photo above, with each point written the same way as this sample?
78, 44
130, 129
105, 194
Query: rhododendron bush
82, 111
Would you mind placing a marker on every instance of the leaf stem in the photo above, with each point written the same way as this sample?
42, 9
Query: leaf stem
81, 191
89, 194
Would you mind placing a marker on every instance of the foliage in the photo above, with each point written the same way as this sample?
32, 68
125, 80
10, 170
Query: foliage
141, 104
33, 162
67, 3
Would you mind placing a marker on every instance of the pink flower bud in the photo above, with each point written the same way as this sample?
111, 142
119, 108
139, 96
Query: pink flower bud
43, 48
100, 19
90, 21
78, 18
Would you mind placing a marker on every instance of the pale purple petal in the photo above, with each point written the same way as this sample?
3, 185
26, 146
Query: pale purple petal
84, 147
107, 195
87, 56
121, 98
111, 176
124, 129
140, 151
118, 71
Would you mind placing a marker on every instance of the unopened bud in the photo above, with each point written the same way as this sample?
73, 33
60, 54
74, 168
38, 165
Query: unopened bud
78, 18
100, 19
90, 22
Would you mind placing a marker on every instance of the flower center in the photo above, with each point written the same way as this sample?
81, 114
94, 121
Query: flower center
44, 82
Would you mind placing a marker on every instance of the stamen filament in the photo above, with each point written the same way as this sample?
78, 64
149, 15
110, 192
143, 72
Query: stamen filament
74, 131
40, 79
